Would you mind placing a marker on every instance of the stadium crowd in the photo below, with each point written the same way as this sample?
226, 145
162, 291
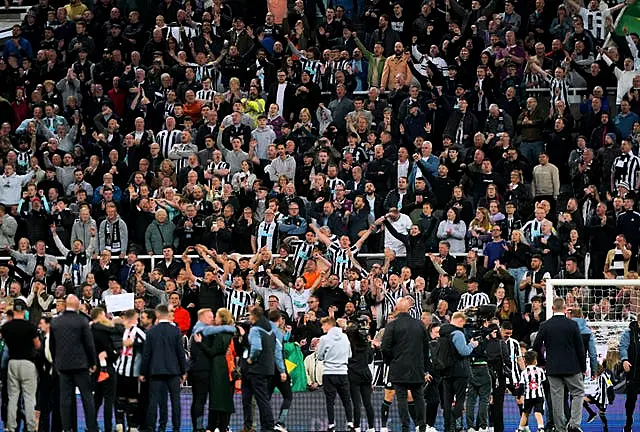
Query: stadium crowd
259, 147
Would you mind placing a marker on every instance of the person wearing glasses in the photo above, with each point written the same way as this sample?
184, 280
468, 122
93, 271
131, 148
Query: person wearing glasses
293, 224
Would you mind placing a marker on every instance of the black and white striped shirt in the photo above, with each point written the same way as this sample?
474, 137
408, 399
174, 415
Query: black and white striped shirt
340, 259
625, 169
128, 364
167, 139
594, 22
531, 381
301, 252
267, 236
391, 297
205, 95
604, 383
238, 302
333, 183
215, 166
513, 348
476, 299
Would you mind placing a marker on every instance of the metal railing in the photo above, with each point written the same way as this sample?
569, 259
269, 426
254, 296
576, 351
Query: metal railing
152, 259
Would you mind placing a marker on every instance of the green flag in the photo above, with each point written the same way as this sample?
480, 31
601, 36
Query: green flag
630, 18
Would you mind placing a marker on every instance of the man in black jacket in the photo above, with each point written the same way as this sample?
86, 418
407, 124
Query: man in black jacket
74, 357
260, 367
566, 363
405, 347
455, 377
630, 355
164, 363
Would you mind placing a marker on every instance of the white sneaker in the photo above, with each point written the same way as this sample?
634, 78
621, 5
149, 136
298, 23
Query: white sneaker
482, 430
119, 428
471, 430
384, 429
280, 427
133, 429
371, 430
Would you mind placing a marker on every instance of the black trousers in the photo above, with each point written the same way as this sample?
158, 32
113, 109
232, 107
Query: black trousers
402, 393
143, 404
259, 388
158, 389
200, 391
633, 388
453, 388
69, 380
105, 391
332, 385
361, 395
284, 387
49, 403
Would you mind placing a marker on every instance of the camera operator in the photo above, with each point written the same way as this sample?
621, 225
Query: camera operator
456, 376
479, 385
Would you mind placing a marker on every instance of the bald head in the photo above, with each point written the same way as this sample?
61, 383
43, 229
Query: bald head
72, 302
403, 305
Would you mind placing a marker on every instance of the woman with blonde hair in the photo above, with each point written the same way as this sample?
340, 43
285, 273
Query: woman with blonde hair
221, 382
479, 231
304, 132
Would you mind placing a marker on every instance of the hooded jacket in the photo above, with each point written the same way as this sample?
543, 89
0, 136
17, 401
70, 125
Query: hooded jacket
262, 348
334, 350
81, 231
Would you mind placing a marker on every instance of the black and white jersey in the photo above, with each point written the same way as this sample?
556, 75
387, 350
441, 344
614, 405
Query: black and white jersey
332, 183
128, 364
215, 166
313, 67
238, 302
340, 259
531, 381
167, 139
416, 309
513, 349
594, 21
625, 170
267, 235
301, 252
476, 299
603, 389
391, 297
205, 95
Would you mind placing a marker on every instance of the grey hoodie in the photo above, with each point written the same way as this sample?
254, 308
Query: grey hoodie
334, 350
264, 137
81, 231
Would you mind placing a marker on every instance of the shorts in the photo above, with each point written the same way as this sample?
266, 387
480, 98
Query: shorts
127, 387
536, 404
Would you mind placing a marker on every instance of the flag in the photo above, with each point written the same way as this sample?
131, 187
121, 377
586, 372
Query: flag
629, 18
294, 362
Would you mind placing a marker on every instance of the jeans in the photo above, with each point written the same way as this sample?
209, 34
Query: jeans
479, 389
22, 377
105, 391
575, 384
158, 389
337, 384
259, 385
69, 380
417, 391
518, 273
200, 390
453, 388
361, 394
531, 150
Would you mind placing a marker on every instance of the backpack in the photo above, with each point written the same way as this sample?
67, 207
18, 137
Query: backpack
442, 355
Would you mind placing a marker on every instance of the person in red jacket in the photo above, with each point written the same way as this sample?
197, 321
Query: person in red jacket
181, 316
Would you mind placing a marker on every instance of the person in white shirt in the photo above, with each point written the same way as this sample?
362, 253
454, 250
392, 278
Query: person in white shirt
402, 223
